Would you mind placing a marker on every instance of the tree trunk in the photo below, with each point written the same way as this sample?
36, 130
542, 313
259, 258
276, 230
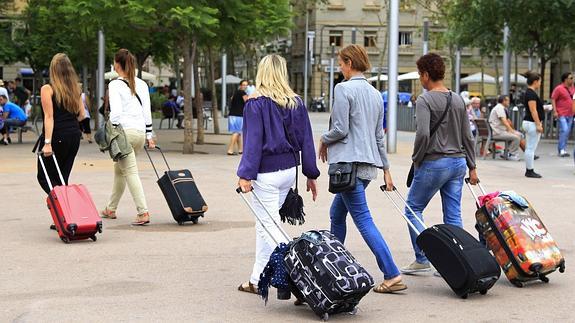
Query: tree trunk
215, 114
542, 69
232, 61
495, 61
140, 60
189, 51
199, 101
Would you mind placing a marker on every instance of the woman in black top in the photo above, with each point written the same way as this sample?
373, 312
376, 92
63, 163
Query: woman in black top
236, 118
62, 108
533, 121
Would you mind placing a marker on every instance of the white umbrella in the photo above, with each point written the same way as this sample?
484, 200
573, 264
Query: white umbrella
409, 76
145, 76
520, 79
230, 79
382, 77
476, 78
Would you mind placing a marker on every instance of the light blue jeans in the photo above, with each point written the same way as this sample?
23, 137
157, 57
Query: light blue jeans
355, 203
531, 141
564, 124
445, 175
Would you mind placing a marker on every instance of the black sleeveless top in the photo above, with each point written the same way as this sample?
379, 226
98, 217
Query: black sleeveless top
65, 123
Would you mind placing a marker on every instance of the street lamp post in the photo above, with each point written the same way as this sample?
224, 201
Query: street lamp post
305, 69
224, 87
458, 70
506, 61
101, 70
392, 76
331, 76
425, 36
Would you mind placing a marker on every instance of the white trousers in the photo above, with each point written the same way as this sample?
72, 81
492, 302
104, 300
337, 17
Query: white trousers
272, 189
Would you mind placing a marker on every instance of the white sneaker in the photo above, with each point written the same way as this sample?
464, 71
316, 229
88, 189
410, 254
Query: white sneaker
416, 267
513, 157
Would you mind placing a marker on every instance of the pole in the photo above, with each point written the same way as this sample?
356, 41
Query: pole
506, 61
306, 57
353, 34
458, 70
331, 76
392, 76
101, 70
425, 36
224, 94
530, 61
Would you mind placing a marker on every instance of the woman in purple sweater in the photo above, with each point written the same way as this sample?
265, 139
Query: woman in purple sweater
268, 165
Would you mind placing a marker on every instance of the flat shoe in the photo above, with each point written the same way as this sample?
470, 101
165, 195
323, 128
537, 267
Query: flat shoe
249, 288
107, 214
384, 289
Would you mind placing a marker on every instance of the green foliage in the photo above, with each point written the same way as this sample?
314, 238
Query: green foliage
156, 101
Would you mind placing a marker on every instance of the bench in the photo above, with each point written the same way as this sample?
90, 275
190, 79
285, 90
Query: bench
484, 135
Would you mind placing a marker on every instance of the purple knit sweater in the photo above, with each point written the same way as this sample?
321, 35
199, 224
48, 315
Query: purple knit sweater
266, 148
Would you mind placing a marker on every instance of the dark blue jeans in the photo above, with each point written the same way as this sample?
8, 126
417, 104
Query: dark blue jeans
444, 175
355, 203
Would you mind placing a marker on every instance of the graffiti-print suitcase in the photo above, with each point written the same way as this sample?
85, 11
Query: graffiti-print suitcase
522, 246
322, 272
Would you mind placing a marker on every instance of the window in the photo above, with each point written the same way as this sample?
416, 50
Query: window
370, 39
405, 38
336, 37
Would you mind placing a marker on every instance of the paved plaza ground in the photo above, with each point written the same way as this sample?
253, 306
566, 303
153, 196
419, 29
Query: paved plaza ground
170, 273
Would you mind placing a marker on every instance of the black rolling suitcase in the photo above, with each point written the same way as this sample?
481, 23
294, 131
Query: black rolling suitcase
180, 190
321, 270
464, 263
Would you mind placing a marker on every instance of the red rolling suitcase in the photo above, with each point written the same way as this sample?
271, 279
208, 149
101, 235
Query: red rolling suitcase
73, 211
518, 238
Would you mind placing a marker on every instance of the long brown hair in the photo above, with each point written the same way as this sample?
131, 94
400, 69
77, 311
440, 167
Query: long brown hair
64, 82
128, 63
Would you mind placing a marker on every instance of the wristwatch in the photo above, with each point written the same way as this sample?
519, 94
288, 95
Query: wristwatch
47, 141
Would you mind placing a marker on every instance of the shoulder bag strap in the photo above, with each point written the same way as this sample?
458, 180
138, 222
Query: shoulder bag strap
443, 115
137, 96
288, 137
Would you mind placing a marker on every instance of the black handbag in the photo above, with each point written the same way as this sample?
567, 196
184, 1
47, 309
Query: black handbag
292, 208
342, 177
431, 133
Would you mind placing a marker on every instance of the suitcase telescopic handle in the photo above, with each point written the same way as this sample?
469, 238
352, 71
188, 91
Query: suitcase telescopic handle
41, 159
152, 162
400, 211
280, 229
472, 190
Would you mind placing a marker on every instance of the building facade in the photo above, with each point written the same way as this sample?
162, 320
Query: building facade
343, 22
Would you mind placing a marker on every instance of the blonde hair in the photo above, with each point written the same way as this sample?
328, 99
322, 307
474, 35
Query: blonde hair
272, 81
64, 82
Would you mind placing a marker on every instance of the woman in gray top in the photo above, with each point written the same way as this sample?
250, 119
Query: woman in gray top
356, 136
442, 158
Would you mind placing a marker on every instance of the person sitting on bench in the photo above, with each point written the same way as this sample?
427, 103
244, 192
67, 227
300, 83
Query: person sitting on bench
13, 116
503, 130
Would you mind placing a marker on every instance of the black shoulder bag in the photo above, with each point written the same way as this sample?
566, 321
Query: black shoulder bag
431, 133
292, 208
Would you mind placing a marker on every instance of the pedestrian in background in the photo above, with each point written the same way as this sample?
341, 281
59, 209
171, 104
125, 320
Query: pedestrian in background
63, 110
532, 122
356, 136
4, 91
441, 159
276, 130
129, 107
562, 101
236, 118
85, 124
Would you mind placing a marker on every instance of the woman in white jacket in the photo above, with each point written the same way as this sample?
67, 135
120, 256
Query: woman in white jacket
130, 108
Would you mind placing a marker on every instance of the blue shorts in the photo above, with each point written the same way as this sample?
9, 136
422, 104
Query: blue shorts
235, 124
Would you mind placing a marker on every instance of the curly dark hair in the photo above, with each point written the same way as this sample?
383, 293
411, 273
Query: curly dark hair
432, 64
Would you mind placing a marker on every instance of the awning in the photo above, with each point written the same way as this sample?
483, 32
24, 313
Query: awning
476, 78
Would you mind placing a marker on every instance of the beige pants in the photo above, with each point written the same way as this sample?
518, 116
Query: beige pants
126, 172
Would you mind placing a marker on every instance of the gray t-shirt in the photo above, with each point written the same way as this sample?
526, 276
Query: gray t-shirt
497, 125
453, 137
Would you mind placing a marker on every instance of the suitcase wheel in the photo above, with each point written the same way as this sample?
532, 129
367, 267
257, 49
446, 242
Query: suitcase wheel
94, 238
517, 283
325, 317
483, 292
65, 239
353, 311
562, 266
464, 296
544, 278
